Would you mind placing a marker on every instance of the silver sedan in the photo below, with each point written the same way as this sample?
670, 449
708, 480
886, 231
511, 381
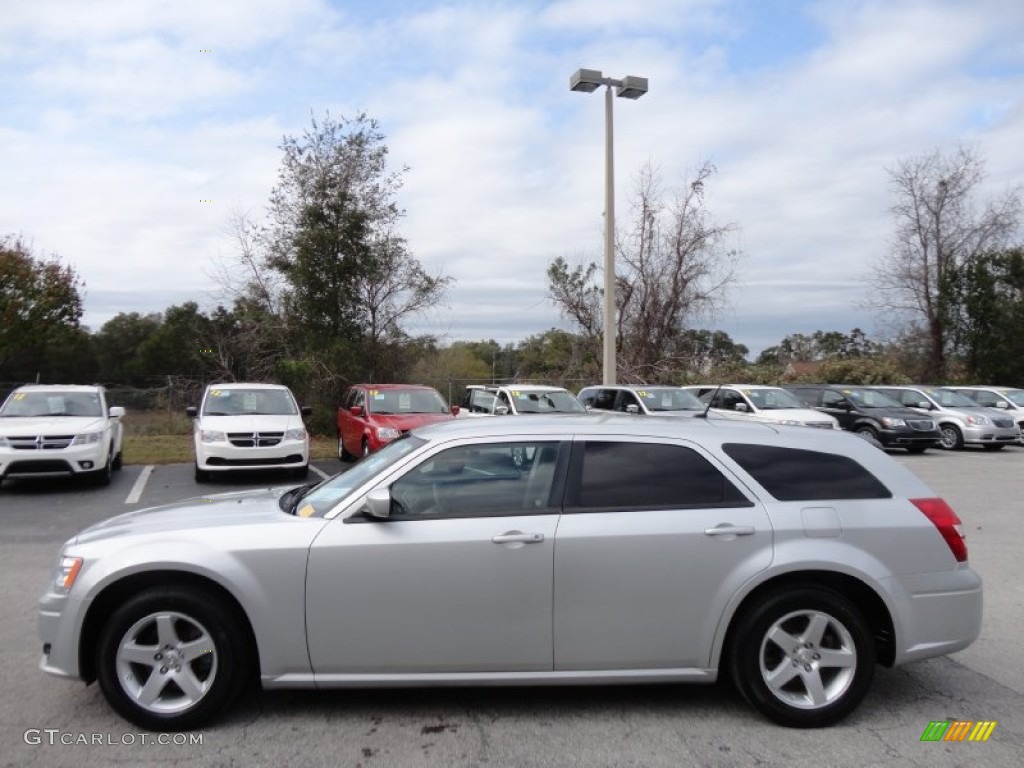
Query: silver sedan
550, 550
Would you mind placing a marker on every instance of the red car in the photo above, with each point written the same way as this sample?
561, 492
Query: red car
372, 415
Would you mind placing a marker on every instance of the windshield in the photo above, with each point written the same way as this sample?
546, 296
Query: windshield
324, 497
53, 403
870, 398
1015, 396
554, 401
657, 399
949, 399
249, 402
399, 401
770, 399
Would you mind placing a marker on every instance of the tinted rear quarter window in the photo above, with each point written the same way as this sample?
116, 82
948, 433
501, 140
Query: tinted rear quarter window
650, 476
796, 474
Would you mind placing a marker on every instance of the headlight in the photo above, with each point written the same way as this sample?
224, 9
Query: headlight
87, 438
387, 433
891, 422
977, 421
212, 436
66, 573
295, 434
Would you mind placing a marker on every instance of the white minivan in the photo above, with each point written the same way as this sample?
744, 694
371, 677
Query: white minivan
757, 402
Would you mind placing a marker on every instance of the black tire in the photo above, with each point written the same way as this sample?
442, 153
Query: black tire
118, 461
300, 473
102, 476
343, 454
867, 432
994, 446
917, 448
951, 438
366, 448
175, 626
202, 476
824, 627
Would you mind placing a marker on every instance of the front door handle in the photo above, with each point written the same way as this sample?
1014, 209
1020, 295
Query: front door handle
727, 529
518, 537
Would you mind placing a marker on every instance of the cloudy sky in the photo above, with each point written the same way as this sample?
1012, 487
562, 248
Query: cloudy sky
119, 118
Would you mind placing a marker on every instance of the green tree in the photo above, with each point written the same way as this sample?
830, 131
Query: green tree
939, 233
989, 326
40, 306
117, 348
820, 345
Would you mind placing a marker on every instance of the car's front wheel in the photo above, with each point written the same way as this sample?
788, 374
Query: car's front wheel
803, 657
169, 661
951, 438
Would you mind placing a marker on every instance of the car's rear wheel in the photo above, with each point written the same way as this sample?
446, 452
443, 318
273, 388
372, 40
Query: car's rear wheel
343, 454
951, 437
168, 660
803, 657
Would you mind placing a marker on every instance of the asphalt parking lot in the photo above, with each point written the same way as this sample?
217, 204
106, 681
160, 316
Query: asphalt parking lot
49, 722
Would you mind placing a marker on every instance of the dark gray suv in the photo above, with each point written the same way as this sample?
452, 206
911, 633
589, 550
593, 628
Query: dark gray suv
871, 413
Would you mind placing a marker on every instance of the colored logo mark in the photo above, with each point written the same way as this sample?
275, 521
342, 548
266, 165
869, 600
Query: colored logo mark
958, 730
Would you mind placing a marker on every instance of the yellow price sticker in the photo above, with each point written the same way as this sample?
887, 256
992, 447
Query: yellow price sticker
306, 511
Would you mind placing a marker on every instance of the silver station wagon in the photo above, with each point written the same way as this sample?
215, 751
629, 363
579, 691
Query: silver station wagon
549, 550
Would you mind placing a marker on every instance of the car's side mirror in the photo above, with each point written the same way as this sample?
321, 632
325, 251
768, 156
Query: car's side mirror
455, 410
378, 503
305, 410
192, 411
923, 404
501, 410
633, 408
742, 407
1002, 404
116, 411
356, 410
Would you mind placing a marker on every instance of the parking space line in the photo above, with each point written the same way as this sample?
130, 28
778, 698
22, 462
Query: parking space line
323, 475
140, 483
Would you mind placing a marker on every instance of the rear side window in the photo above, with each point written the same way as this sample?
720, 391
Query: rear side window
794, 474
649, 476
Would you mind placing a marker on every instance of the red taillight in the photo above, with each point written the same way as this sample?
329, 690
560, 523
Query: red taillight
945, 519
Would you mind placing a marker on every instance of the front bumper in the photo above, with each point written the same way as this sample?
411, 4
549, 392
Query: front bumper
991, 435
223, 456
72, 460
59, 621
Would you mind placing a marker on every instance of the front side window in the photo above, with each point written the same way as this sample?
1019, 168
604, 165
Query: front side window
616, 475
795, 474
510, 478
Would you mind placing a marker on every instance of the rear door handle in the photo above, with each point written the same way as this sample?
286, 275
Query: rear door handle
516, 537
726, 529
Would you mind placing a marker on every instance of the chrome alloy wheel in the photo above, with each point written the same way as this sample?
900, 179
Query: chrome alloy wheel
807, 659
166, 662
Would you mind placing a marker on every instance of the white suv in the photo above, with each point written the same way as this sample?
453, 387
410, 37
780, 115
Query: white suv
242, 426
517, 399
49, 430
